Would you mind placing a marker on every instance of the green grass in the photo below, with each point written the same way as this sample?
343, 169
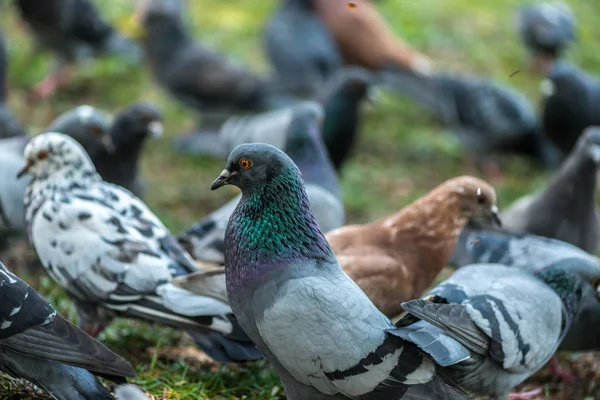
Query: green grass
402, 153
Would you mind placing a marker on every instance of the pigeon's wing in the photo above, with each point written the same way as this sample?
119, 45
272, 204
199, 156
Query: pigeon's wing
95, 252
21, 307
343, 329
63, 342
137, 215
512, 311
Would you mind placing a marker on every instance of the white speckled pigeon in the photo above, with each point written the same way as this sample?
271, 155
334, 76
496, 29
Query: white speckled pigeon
323, 335
566, 209
42, 347
300, 48
112, 255
510, 321
302, 139
534, 253
74, 31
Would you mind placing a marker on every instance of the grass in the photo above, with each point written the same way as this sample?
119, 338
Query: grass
402, 153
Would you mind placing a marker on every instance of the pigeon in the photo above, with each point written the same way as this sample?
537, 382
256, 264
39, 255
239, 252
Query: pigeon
39, 345
304, 145
510, 321
12, 191
9, 126
130, 392
547, 30
394, 259
486, 117
113, 256
534, 253
571, 103
74, 31
340, 97
300, 48
128, 132
195, 75
365, 39
566, 208
322, 334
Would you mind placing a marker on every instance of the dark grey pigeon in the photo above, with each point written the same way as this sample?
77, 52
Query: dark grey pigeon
113, 256
12, 190
42, 347
547, 28
571, 103
9, 126
197, 76
534, 253
510, 321
300, 48
128, 133
303, 144
74, 31
566, 208
322, 334
486, 117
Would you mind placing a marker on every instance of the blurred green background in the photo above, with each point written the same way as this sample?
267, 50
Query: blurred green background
401, 155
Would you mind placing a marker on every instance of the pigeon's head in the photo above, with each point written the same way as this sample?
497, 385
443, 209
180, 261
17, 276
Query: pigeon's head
86, 124
250, 166
53, 154
477, 199
306, 120
547, 28
136, 123
589, 143
570, 286
348, 83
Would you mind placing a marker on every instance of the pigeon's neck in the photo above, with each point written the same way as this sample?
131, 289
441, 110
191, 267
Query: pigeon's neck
165, 37
575, 184
307, 150
271, 226
432, 226
340, 125
64, 179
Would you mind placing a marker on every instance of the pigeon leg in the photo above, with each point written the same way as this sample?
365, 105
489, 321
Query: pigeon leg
531, 395
562, 374
50, 83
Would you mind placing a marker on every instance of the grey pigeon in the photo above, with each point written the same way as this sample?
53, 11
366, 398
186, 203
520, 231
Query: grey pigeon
9, 126
534, 253
547, 28
74, 31
86, 124
322, 334
300, 48
128, 133
130, 392
12, 190
510, 321
112, 255
42, 347
197, 76
571, 103
486, 117
341, 99
566, 208
302, 139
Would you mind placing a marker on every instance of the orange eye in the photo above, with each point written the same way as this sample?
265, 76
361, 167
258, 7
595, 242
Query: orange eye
42, 155
96, 130
351, 5
245, 163
595, 282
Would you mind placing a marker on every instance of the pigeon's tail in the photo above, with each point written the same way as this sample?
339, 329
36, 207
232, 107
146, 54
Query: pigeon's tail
62, 381
417, 86
226, 350
204, 241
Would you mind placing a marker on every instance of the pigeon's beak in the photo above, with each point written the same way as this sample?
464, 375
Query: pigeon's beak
222, 180
495, 213
25, 168
108, 144
156, 129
